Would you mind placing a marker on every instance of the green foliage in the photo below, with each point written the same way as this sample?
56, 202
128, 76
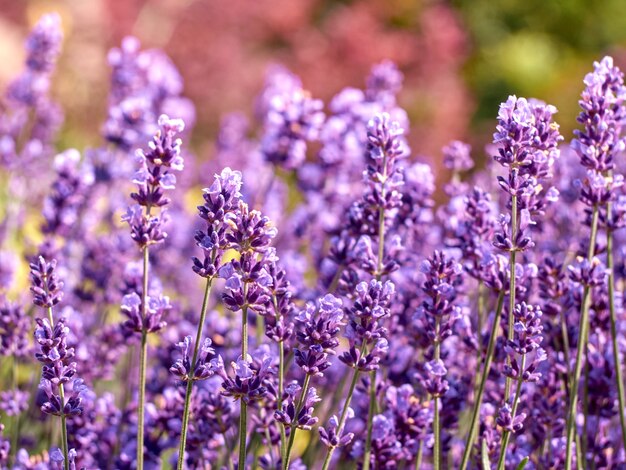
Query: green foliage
537, 48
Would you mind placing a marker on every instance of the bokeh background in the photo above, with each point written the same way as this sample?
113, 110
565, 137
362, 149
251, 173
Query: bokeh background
460, 58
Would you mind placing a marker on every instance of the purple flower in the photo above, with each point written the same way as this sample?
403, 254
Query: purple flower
456, 156
206, 364
253, 232
14, 329
527, 137
152, 179
293, 118
591, 274
365, 318
45, 285
278, 318
62, 207
55, 355
248, 382
509, 423
305, 419
527, 336
602, 116
220, 211
156, 306
14, 402
384, 83
5, 448
30, 120
44, 43
329, 435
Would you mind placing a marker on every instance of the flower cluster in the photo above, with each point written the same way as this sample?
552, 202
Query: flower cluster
153, 177
365, 330
30, 119
54, 352
462, 339
317, 334
248, 381
292, 120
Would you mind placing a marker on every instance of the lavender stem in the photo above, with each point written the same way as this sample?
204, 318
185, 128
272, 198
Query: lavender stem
583, 329
483, 380
379, 269
616, 356
507, 434
294, 429
183, 434
344, 413
512, 256
64, 445
143, 358
436, 421
243, 415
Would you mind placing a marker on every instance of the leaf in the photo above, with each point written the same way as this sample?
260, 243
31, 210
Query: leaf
522, 464
485, 456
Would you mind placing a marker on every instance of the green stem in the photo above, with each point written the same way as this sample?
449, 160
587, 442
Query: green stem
259, 329
379, 274
344, 414
512, 256
436, 423
243, 414
294, 428
507, 434
64, 445
585, 434
480, 319
243, 418
196, 349
437, 433
420, 453
616, 356
473, 429
281, 381
142, 362
16, 419
244, 323
564, 335
583, 329
371, 412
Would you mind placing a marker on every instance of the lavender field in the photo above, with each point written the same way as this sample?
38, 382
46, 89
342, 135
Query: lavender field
316, 295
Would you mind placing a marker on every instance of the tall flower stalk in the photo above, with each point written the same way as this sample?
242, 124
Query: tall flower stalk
279, 328
221, 204
375, 211
527, 140
597, 145
318, 327
436, 318
368, 345
247, 284
152, 178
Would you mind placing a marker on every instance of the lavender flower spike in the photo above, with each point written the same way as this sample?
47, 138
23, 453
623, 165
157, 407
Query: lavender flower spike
153, 177
55, 355
602, 116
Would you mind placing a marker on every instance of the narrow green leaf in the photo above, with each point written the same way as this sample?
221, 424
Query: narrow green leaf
522, 464
485, 456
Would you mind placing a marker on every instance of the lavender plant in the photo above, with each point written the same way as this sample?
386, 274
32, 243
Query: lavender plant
338, 309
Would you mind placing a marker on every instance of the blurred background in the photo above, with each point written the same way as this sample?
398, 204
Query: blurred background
460, 59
